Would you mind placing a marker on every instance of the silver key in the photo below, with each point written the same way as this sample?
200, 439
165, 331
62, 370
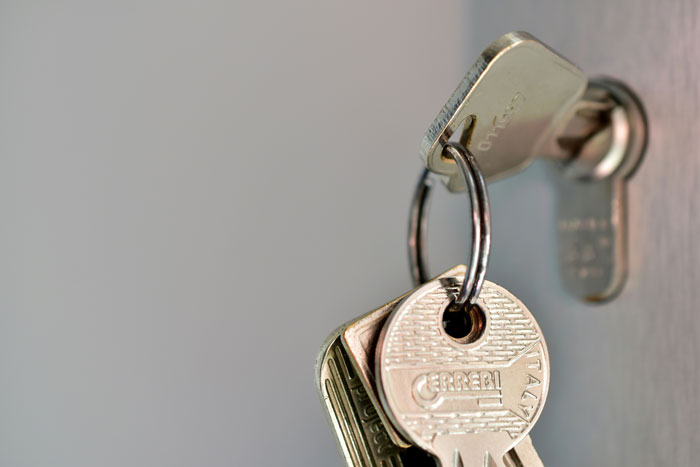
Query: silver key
360, 338
510, 103
359, 432
467, 404
346, 385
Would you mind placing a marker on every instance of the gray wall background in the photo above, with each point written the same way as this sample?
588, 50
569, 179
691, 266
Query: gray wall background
194, 194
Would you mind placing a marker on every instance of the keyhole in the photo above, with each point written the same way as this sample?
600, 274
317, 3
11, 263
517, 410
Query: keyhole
463, 325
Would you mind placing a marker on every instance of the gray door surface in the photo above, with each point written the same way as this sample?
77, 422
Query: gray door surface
195, 194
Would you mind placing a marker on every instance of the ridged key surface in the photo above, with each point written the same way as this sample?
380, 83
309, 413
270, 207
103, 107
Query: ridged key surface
480, 398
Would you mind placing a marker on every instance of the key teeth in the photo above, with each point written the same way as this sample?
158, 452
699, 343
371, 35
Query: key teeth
489, 461
458, 459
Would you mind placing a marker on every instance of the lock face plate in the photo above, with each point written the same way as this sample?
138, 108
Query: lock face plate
509, 103
592, 204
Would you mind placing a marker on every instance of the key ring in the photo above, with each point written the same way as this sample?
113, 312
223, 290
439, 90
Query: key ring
481, 225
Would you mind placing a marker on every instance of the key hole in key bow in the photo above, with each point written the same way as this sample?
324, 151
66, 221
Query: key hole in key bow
463, 325
462, 135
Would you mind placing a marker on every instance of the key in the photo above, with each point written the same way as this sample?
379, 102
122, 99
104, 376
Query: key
510, 104
468, 404
523, 455
345, 383
360, 338
360, 435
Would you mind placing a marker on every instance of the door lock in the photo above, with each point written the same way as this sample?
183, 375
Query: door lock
522, 100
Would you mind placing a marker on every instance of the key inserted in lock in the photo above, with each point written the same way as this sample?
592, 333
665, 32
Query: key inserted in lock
522, 100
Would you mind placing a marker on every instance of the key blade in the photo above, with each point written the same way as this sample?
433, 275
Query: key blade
523, 455
509, 103
359, 433
488, 460
474, 454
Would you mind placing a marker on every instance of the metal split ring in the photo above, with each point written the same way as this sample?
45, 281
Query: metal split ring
481, 225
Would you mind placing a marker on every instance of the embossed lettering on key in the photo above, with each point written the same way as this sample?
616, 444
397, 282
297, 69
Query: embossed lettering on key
360, 434
468, 404
510, 103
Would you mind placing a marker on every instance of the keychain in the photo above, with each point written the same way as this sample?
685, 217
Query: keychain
457, 368
456, 371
